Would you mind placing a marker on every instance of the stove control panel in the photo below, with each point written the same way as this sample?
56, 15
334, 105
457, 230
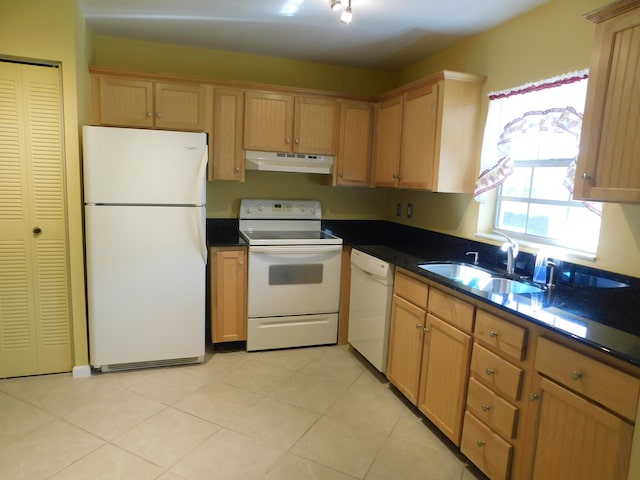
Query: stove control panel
280, 209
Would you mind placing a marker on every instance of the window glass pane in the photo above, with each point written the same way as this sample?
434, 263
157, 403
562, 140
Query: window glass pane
550, 219
517, 184
583, 229
547, 183
512, 216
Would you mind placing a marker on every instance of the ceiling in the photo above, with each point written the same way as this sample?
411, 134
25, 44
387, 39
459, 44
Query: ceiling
384, 34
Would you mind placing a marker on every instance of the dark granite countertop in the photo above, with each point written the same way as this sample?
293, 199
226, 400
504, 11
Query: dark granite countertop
607, 319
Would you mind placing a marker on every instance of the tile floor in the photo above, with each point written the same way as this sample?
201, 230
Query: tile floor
312, 413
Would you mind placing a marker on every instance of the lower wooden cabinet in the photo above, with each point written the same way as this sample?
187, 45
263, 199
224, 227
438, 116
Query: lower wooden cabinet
487, 450
228, 294
577, 439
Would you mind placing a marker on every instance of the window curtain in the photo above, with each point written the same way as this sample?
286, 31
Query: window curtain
555, 105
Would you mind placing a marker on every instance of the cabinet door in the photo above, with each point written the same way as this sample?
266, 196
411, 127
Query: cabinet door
607, 167
387, 142
405, 347
229, 295
418, 138
226, 142
268, 121
353, 164
180, 107
443, 380
316, 125
576, 439
126, 103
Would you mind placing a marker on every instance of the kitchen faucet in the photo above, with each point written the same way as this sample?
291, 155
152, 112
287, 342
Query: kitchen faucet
511, 247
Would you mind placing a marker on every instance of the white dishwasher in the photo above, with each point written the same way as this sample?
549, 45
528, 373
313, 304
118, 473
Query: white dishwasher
370, 307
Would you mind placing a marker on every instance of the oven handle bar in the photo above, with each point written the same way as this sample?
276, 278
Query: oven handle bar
296, 249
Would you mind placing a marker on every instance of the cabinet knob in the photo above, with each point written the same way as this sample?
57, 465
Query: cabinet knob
236, 170
37, 230
489, 371
586, 176
486, 408
418, 325
297, 141
493, 334
576, 375
159, 114
288, 141
341, 174
149, 114
425, 330
481, 443
533, 396
240, 263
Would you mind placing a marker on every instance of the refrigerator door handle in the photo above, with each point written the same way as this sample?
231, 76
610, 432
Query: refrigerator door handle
201, 178
202, 240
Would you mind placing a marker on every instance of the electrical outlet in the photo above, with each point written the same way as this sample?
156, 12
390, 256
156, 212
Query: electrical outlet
398, 209
409, 210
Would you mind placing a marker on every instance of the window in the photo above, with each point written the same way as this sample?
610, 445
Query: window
536, 151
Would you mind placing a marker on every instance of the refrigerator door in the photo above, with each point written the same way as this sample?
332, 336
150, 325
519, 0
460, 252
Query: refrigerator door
136, 166
145, 283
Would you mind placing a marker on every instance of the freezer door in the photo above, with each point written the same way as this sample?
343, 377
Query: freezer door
145, 284
136, 166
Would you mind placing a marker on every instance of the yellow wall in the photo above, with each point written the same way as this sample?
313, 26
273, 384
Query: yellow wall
220, 65
547, 41
45, 30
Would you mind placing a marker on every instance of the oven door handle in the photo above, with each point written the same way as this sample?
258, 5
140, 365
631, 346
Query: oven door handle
296, 249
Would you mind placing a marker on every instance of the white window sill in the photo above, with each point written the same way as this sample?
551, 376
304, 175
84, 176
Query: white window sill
551, 251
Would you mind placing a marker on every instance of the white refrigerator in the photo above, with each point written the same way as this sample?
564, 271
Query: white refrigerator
145, 214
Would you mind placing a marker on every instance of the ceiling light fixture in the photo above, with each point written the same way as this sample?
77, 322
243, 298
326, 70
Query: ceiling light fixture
347, 15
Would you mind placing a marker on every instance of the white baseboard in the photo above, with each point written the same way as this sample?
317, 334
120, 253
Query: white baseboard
82, 371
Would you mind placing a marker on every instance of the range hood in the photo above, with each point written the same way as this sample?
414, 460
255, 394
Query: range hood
288, 162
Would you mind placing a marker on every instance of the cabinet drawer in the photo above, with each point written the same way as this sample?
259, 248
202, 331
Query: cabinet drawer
455, 311
485, 449
595, 380
411, 289
489, 407
499, 374
505, 336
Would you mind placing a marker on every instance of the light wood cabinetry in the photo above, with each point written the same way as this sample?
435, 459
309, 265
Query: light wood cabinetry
426, 134
228, 282
607, 168
279, 122
130, 102
584, 413
227, 152
492, 433
429, 354
353, 163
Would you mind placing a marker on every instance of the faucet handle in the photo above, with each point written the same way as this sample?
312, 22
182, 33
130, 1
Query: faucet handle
475, 257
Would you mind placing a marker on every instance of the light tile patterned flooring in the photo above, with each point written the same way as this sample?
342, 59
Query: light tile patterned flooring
312, 413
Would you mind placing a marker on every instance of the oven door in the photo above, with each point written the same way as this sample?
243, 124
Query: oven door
294, 280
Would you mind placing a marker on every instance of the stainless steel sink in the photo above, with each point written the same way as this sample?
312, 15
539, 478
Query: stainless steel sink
479, 278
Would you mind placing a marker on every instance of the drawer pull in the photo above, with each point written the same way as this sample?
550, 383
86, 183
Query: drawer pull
485, 407
576, 375
418, 325
425, 330
533, 396
493, 334
480, 443
489, 371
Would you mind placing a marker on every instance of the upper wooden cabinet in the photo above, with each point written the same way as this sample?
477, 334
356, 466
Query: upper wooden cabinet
278, 122
608, 169
130, 102
353, 163
427, 134
225, 144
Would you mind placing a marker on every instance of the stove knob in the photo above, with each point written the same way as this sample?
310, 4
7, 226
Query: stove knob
260, 207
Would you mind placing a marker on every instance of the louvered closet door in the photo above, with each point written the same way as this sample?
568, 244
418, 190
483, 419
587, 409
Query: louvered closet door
35, 327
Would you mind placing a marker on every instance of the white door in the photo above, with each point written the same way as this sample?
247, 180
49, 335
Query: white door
136, 166
145, 283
